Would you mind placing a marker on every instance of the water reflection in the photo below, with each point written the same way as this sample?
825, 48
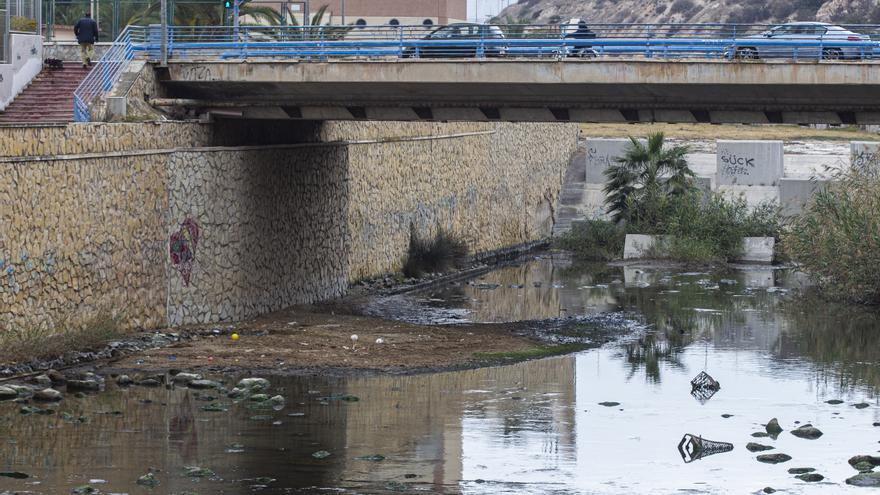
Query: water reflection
534, 427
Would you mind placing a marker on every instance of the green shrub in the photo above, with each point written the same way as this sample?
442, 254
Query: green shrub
645, 173
837, 237
23, 24
438, 254
702, 228
593, 240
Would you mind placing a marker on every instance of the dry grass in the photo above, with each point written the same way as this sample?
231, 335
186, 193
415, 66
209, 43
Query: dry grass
728, 131
22, 344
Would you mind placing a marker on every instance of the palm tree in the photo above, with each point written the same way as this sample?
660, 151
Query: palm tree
646, 173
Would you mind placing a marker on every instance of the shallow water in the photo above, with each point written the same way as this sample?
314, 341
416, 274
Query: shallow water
532, 427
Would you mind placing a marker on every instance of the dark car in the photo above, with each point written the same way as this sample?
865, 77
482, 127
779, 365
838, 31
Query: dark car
459, 40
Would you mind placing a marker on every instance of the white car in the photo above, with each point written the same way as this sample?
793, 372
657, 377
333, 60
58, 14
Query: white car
782, 41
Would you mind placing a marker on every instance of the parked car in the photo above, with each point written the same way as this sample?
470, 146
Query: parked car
460, 40
847, 44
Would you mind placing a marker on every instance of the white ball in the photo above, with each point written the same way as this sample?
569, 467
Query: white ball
380, 340
354, 338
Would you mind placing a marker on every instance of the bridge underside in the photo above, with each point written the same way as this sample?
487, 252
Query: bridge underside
583, 91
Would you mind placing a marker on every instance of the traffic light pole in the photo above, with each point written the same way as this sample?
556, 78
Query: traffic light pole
235, 7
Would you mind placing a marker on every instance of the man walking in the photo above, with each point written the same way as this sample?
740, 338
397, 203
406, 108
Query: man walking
86, 31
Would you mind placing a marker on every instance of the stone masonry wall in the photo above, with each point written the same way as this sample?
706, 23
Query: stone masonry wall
35, 141
189, 234
493, 189
81, 237
271, 230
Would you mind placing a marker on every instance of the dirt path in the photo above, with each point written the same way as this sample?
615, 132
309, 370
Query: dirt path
303, 338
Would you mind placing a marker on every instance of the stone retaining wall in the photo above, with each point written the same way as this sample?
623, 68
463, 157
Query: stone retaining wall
167, 230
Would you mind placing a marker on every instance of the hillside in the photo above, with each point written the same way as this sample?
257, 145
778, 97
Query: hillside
669, 11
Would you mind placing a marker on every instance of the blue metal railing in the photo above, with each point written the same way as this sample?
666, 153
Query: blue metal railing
476, 42
106, 71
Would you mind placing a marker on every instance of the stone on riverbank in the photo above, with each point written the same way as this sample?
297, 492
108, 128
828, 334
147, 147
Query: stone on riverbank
810, 477
861, 405
865, 479
834, 402
609, 404
801, 470
149, 480
773, 427
768, 489
7, 393
321, 454
185, 378
254, 385
198, 472
48, 395
773, 458
124, 380
757, 447
863, 467
807, 431
56, 377
870, 459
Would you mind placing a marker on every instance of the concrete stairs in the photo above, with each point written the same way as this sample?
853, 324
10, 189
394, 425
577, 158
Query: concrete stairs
48, 99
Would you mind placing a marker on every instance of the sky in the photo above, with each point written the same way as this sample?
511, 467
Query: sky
482, 10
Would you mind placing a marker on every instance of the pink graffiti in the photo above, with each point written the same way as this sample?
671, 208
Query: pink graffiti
182, 247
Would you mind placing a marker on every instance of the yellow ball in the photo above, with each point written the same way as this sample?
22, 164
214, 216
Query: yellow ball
234, 337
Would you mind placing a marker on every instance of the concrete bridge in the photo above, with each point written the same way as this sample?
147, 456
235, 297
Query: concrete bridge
598, 90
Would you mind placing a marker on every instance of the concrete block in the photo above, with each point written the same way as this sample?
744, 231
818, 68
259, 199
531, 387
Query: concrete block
601, 154
704, 185
808, 166
864, 154
755, 249
795, 193
754, 195
703, 164
116, 106
750, 163
758, 249
637, 246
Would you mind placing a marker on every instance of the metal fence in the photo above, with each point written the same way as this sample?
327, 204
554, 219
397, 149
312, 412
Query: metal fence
4, 35
564, 42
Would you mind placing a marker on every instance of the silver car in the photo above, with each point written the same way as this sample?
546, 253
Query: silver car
782, 42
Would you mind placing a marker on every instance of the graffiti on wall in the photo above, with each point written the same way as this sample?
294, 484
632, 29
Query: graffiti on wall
182, 247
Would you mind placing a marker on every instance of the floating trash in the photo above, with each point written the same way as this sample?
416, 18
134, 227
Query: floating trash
693, 447
703, 387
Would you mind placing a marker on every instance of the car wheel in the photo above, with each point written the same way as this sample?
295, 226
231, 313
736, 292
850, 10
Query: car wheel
832, 54
746, 53
586, 53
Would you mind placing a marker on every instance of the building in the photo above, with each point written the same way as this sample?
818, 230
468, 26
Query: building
393, 12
